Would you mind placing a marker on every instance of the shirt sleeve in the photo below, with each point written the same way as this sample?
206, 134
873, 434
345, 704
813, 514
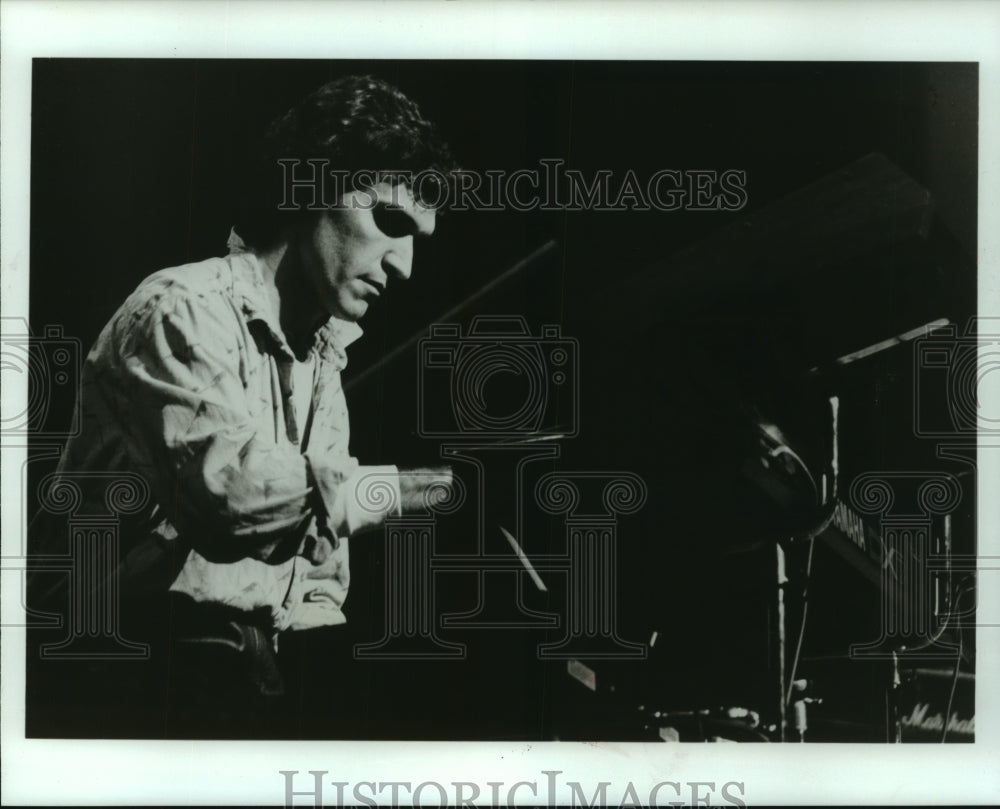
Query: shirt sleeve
364, 500
222, 476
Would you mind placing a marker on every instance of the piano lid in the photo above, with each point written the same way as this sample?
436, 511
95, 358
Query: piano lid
856, 257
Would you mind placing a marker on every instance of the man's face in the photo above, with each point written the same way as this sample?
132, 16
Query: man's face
352, 251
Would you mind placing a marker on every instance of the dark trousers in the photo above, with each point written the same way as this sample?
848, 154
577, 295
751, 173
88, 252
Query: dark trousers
224, 674
212, 672
219, 672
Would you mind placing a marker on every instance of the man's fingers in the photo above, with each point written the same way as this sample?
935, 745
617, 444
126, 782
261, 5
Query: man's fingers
424, 488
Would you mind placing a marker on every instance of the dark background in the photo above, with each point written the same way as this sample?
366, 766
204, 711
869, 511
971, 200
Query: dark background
134, 163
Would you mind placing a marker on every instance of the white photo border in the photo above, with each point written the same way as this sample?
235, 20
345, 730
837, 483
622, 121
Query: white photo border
179, 772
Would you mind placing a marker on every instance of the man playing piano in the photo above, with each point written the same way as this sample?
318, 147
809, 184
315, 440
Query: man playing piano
219, 384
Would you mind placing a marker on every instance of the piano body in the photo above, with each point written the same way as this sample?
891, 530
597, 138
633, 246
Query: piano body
835, 296
712, 387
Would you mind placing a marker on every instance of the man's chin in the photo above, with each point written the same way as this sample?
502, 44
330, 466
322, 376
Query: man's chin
353, 311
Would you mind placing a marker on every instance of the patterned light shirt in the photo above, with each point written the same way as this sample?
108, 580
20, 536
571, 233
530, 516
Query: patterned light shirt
190, 385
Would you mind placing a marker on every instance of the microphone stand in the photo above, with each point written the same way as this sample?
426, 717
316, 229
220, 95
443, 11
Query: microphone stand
828, 501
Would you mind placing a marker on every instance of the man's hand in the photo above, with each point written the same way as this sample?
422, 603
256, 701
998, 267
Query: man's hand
423, 488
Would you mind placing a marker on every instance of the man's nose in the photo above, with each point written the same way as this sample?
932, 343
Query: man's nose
398, 260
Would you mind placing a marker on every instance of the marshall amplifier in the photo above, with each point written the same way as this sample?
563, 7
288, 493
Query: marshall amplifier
933, 706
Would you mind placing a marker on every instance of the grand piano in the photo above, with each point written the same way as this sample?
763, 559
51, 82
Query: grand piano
714, 386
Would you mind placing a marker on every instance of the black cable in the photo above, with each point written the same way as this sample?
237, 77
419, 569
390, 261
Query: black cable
811, 534
802, 624
958, 662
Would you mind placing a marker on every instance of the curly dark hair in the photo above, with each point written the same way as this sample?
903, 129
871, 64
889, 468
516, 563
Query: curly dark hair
354, 125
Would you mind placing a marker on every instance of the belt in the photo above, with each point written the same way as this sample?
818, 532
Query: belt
249, 637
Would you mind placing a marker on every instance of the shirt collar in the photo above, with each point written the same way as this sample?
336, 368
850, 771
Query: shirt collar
331, 339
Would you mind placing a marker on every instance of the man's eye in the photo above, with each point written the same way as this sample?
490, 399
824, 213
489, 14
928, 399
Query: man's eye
393, 222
